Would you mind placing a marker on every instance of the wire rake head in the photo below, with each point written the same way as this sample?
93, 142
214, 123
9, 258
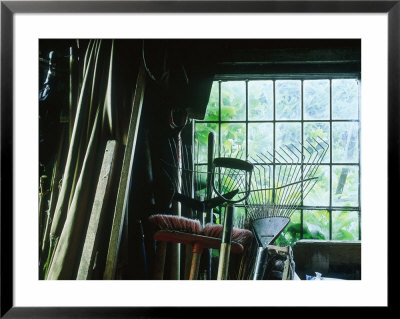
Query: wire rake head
186, 178
283, 179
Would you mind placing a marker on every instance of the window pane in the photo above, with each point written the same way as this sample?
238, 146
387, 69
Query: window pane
233, 96
316, 99
288, 174
345, 225
345, 142
336, 185
318, 194
345, 99
291, 233
288, 100
286, 134
233, 139
262, 178
200, 181
345, 185
202, 131
288, 192
260, 138
239, 217
212, 106
261, 100
315, 130
316, 224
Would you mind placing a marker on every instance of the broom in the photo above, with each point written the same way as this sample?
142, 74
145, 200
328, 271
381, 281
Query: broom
189, 232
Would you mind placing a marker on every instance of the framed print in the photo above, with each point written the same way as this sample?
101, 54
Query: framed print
250, 146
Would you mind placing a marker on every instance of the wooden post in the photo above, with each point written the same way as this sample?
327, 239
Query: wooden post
126, 172
97, 215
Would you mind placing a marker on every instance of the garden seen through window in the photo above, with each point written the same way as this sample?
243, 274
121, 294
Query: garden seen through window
258, 116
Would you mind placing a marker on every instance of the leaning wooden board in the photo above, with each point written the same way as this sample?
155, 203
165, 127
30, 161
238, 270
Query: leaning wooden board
97, 215
126, 172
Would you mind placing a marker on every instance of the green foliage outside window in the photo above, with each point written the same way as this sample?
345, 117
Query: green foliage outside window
331, 209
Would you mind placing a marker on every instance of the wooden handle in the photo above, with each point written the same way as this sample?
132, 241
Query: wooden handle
160, 260
196, 256
188, 261
174, 261
223, 264
226, 240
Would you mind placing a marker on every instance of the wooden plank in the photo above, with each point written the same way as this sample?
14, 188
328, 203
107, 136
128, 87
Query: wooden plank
97, 214
126, 172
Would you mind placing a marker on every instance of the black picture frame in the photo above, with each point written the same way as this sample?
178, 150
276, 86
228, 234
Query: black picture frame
9, 8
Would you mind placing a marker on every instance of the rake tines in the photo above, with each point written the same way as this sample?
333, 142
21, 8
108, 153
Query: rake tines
283, 178
281, 181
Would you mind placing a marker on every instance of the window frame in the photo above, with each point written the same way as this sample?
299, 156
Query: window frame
330, 209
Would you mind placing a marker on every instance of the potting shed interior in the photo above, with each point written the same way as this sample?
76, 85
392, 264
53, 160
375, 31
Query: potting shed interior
200, 159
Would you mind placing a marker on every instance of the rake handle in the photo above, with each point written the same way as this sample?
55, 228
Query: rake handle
260, 263
225, 249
